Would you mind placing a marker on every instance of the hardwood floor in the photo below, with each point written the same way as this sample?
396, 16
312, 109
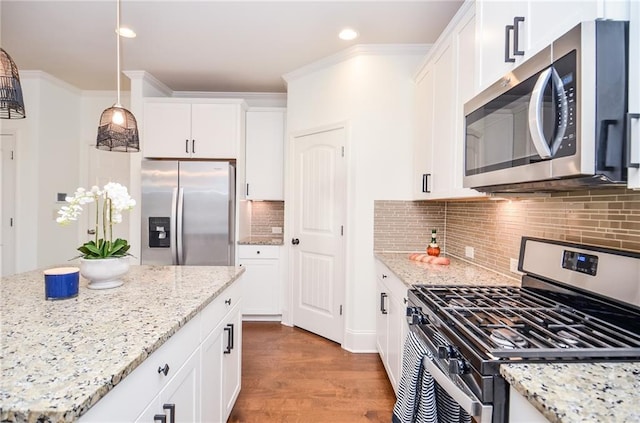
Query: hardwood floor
290, 375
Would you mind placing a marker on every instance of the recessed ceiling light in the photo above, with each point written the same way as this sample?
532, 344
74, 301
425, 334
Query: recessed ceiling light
126, 32
348, 34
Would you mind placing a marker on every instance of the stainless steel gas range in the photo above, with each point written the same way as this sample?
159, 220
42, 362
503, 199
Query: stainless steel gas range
576, 303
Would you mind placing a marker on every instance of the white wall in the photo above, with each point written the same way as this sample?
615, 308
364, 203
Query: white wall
373, 93
47, 163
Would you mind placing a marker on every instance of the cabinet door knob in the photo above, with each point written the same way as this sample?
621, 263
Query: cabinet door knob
227, 301
164, 369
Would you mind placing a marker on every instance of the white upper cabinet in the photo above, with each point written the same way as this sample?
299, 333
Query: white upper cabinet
444, 83
634, 96
265, 154
177, 128
510, 32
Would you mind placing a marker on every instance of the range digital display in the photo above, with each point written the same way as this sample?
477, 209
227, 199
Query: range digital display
580, 262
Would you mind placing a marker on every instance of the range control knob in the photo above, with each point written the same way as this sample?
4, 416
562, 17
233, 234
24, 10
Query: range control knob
458, 367
447, 351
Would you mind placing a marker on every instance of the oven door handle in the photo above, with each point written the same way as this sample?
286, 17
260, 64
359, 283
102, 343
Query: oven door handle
475, 408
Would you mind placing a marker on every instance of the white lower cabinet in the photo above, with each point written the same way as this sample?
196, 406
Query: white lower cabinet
220, 361
522, 411
391, 323
194, 376
262, 289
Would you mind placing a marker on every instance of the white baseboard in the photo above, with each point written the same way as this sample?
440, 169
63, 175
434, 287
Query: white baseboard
261, 317
360, 341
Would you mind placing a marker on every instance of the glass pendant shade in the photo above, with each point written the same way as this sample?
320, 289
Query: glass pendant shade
11, 102
118, 130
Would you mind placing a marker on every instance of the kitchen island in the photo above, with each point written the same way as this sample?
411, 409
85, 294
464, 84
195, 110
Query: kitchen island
59, 358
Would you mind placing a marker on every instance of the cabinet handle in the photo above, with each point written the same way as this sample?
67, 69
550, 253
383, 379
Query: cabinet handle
384, 276
172, 412
186, 146
630, 159
229, 330
382, 297
228, 301
232, 334
164, 369
425, 182
160, 418
247, 189
507, 52
193, 146
516, 36
258, 252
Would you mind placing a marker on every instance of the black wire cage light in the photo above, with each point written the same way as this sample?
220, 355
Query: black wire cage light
11, 102
118, 129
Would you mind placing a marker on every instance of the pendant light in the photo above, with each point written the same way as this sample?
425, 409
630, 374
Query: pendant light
118, 130
11, 102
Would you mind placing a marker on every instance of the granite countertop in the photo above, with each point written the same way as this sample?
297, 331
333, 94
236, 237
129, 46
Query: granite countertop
579, 392
563, 393
459, 272
59, 357
261, 240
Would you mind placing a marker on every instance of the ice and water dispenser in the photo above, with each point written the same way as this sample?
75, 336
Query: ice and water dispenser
159, 234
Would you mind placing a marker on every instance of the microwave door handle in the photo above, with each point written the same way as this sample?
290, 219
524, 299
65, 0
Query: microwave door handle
564, 111
535, 115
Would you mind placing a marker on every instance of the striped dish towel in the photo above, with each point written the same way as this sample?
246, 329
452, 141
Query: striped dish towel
420, 398
416, 400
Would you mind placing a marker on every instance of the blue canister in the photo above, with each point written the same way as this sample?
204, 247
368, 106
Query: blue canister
61, 283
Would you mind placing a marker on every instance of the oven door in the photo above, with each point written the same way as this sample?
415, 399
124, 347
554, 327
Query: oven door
452, 385
517, 126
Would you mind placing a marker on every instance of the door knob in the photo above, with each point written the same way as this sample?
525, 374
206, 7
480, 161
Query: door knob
295, 241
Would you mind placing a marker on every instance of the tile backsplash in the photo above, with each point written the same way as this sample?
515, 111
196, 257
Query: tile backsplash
609, 218
266, 215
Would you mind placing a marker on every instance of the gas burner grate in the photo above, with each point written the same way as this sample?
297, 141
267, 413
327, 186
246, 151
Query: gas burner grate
517, 323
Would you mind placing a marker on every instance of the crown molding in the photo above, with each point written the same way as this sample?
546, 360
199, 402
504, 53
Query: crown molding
38, 74
149, 79
355, 51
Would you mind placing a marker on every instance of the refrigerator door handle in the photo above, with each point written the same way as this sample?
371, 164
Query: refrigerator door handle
179, 214
174, 233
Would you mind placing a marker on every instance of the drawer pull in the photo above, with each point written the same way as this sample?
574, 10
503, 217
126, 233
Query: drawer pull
172, 412
164, 369
160, 418
258, 252
229, 330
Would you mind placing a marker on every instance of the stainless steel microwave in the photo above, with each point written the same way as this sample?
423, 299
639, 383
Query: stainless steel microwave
557, 121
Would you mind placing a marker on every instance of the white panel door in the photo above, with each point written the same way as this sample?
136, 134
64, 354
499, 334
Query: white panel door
319, 216
7, 205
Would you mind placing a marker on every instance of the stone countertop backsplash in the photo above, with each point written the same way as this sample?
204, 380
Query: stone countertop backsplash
261, 240
563, 393
57, 358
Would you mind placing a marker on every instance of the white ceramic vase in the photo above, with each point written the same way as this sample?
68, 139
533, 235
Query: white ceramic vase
104, 273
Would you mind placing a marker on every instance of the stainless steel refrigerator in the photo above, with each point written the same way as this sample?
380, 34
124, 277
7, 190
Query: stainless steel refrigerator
188, 213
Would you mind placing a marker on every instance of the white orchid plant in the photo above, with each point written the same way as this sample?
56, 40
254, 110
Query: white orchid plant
115, 199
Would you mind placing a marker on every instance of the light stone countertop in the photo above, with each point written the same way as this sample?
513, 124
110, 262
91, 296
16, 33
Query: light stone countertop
579, 392
261, 240
57, 358
563, 393
459, 272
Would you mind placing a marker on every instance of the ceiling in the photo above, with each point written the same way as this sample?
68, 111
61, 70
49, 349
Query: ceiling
218, 46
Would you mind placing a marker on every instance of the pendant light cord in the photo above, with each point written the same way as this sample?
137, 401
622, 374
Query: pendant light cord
118, 49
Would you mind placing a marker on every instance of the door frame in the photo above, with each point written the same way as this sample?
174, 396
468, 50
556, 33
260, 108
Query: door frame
287, 262
13, 212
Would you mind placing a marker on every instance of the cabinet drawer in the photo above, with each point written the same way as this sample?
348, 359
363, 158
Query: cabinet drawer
132, 395
258, 251
213, 313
